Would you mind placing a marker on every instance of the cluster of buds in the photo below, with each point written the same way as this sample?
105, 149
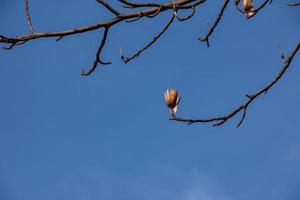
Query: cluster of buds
172, 100
248, 8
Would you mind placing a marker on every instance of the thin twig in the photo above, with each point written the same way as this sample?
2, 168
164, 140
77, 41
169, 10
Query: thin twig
111, 9
217, 21
28, 17
180, 18
137, 53
145, 15
98, 59
217, 121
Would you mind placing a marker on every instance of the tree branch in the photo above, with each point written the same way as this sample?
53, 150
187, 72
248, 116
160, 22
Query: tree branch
137, 53
111, 22
217, 21
128, 4
28, 17
217, 121
98, 59
186, 17
150, 10
106, 5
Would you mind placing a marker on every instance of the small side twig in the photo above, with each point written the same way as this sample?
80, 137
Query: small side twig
137, 53
106, 5
13, 44
28, 16
282, 56
142, 14
98, 59
217, 21
186, 17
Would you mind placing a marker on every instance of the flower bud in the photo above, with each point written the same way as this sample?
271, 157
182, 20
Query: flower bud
248, 8
172, 100
247, 5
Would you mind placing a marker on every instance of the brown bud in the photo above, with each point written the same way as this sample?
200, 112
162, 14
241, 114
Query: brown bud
247, 5
172, 100
248, 8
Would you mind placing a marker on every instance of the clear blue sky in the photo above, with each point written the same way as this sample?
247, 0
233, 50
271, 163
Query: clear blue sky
107, 136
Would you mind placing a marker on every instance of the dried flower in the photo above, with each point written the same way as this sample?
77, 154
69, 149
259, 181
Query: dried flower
172, 99
248, 8
247, 5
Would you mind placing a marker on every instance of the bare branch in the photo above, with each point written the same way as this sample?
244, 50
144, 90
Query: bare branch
217, 121
137, 53
217, 21
111, 22
141, 14
106, 5
179, 5
187, 17
128, 4
98, 59
28, 17
150, 10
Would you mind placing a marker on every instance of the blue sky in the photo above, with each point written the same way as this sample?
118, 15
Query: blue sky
107, 136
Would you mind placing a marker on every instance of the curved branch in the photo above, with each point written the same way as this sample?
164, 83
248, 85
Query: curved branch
217, 121
186, 17
141, 14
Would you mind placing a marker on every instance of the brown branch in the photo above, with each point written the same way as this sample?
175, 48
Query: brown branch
137, 53
189, 5
98, 59
294, 4
145, 15
128, 4
186, 17
106, 5
217, 121
83, 29
148, 12
217, 21
28, 17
